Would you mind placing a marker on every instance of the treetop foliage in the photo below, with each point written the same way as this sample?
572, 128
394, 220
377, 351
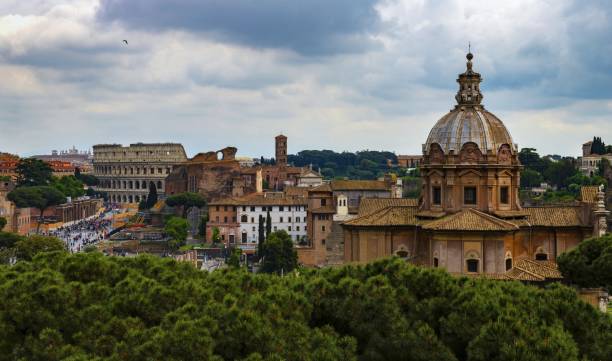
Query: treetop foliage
562, 173
70, 186
366, 164
278, 253
186, 200
39, 197
90, 307
33, 172
589, 264
599, 147
177, 229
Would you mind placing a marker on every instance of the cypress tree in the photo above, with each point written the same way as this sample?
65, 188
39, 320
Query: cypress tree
268, 225
261, 235
152, 197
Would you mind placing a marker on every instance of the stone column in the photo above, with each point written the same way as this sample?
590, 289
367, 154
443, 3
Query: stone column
600, 227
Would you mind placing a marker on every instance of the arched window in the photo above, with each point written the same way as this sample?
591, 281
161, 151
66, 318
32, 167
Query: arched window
244, 218
472, 265
436, 262
540, 254
159, 185
472, 262
402, 252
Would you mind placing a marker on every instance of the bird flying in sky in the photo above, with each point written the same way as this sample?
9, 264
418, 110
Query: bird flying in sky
125, 41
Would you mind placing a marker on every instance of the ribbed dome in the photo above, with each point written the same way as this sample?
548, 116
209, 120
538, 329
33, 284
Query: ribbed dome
469, 121
469, 124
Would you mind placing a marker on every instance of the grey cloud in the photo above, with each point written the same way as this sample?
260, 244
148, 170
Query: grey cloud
308, 27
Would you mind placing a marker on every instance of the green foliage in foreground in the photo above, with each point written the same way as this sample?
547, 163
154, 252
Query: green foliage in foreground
589, 264
90, 307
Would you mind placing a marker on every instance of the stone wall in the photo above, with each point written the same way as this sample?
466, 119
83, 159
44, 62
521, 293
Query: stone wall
127, 173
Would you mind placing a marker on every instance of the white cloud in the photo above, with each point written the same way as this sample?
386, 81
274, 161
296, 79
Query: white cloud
68, 79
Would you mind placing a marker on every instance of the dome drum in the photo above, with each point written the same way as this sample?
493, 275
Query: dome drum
469, 158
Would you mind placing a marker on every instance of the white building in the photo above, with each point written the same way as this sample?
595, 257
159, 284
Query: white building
286, 213
309, 178
589, 163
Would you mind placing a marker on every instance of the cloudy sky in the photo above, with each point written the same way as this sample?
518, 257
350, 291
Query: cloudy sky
329, 74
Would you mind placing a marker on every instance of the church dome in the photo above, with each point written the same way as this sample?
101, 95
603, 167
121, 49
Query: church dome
469, 122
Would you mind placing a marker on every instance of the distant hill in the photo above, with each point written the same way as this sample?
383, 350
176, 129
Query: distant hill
365, 164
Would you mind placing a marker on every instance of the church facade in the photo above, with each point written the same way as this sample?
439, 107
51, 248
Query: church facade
469, 219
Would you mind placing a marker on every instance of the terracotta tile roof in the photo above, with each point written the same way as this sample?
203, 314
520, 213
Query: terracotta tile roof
359, 185
325, 187
389, 216
510, 214
293, 191
529, 270
371, 205
431, 214
259, 199
470, 220
324, 209
588, 194
553, 216
524, 270
307, 172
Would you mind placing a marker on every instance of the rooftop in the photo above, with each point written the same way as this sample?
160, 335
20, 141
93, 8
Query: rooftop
470, 220
261, 199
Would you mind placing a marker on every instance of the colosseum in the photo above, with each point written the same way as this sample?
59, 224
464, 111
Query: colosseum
127, 173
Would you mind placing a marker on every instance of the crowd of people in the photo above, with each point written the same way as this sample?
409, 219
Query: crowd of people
86, 232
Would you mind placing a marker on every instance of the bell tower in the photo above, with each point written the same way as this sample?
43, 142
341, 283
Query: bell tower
281, 150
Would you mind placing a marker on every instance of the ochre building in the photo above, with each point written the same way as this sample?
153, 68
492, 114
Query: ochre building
469, 219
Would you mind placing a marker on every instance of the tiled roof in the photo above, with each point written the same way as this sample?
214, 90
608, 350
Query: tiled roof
529, 270
470, 220
325, 187
307, 172
588, 194
510, 214
525, 270
293, 191
370, 205
324, 209
389, 216
553, 216
259, 199
431, 214
358, 185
